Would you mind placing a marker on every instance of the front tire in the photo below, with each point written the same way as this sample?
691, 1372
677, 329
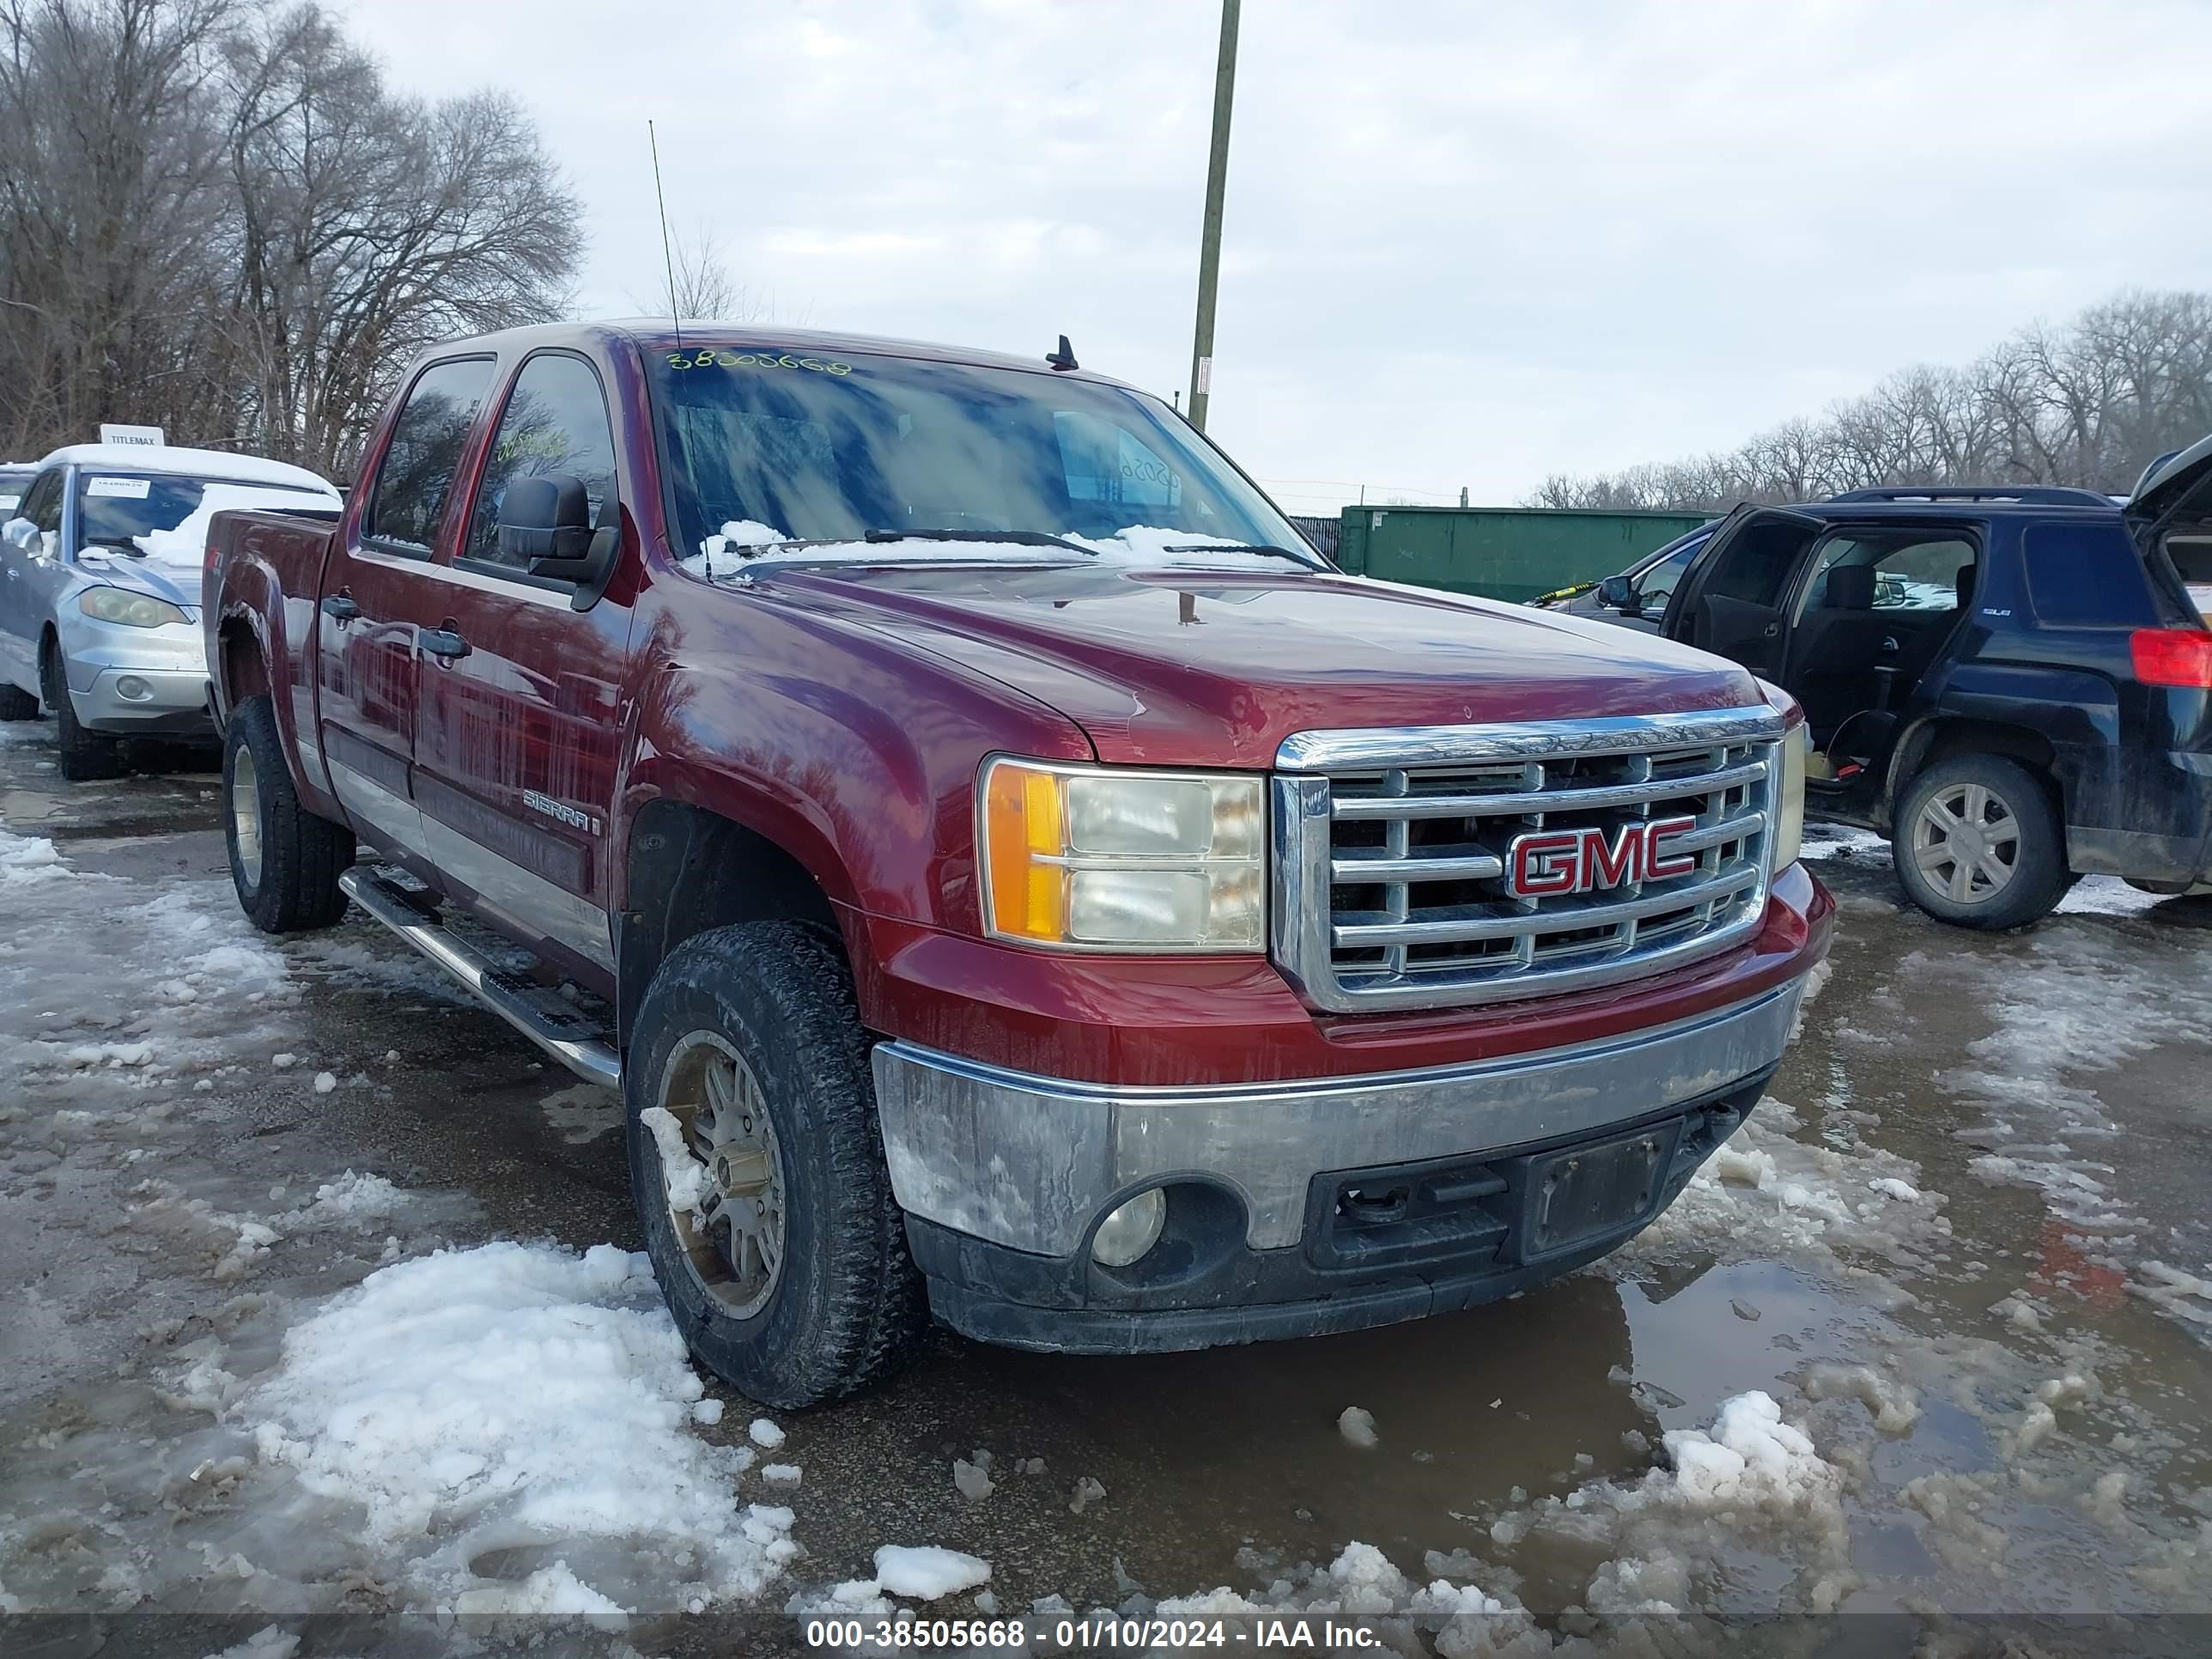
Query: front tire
86, 757
284, 860
1979, 843
787, 1270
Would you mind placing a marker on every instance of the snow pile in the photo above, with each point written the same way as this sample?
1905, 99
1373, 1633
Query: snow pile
27, 860
1357, 1425
508, 1396
1764, 1193
2183, 1296
1363, 1582
184, 546
927, 1573
688, 1185
1751, 1475
1751, 1460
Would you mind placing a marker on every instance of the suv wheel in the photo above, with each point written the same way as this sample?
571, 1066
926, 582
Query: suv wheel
84, 756
1979, 842
758, 1169
284, 861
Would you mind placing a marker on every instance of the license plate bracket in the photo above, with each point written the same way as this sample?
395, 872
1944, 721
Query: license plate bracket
1581, 1194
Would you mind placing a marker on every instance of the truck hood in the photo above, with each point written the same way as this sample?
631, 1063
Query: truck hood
1216, 668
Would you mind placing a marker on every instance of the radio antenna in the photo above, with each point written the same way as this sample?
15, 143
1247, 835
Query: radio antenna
667, 256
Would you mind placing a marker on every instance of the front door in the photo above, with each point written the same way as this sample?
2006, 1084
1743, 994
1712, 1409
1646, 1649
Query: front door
520, 702
380, 595
1732, 601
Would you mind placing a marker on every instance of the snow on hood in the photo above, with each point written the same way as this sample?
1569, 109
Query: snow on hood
745, 543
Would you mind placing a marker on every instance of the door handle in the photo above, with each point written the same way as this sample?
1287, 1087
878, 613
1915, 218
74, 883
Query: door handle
444, 643
1774, 630
340, 607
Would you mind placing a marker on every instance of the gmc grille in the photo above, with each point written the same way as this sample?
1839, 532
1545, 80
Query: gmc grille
1392, 884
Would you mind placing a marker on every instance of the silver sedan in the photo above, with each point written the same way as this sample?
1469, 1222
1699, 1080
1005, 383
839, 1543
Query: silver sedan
100, 589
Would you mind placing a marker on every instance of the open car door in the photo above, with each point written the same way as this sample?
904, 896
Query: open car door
2170, 518
1730, 601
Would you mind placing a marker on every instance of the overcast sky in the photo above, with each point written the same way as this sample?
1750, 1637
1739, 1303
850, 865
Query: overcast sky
1466, 244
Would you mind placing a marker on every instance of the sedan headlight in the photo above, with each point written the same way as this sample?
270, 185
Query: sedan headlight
115, 605
1790, 803
1108, 859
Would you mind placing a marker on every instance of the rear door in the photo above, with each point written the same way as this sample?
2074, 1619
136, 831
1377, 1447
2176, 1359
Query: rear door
520, 693
379, 594
1731, 601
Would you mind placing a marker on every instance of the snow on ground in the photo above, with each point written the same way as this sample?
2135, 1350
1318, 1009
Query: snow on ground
1841, 841
1767, 1194
511, 1398
2073, 1003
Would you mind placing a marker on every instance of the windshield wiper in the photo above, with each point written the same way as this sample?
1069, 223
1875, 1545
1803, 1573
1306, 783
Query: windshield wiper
1305, 559
1015, 537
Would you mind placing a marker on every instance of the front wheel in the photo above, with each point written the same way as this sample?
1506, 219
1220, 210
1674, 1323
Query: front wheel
84, 756
1979, 843
758, 1168
284, 861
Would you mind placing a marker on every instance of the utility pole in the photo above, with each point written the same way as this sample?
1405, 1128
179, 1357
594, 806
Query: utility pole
1217, 181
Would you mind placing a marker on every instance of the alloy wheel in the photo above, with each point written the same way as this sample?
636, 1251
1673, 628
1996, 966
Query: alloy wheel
1965, 840
734, 1239
245, 815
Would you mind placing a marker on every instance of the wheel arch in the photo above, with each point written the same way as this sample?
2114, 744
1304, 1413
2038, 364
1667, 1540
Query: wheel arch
690, 868
1945, 737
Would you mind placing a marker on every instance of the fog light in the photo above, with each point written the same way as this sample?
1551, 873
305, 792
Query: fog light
1130, 1230
131, 689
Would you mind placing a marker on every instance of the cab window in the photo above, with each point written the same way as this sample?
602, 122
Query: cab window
556, 421
419, 462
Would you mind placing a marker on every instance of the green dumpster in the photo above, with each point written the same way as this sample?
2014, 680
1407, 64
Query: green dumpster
1509, 553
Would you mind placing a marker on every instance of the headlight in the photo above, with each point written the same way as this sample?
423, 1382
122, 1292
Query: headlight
1105, 859
113, 604
1789, 807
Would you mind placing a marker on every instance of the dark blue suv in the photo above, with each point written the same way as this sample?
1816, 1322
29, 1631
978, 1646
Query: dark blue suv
2013, 684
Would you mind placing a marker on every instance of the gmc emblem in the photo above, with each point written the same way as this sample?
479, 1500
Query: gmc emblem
1551, 863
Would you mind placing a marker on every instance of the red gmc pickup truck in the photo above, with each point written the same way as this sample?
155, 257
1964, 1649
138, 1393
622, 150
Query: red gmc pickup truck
1016, 880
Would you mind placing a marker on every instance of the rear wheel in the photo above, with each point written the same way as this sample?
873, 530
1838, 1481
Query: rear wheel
17, 704
1979, 842
84, 756
758, 1168
284, 860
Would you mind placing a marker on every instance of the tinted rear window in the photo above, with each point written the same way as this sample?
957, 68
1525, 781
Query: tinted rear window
2086, 575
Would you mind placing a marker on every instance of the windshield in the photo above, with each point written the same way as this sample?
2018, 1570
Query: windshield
792, 447
165, 517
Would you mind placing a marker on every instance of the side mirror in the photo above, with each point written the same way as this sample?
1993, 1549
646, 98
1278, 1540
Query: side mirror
19, 532
1615, 593
546, 523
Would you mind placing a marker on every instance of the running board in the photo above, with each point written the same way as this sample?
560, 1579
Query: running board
575, 1041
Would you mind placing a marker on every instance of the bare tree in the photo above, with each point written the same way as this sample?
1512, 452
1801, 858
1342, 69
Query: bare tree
2088, 403
704, 288
214, 215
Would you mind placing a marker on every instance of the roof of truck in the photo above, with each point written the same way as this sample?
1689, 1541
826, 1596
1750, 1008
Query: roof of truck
188, 462
663, 334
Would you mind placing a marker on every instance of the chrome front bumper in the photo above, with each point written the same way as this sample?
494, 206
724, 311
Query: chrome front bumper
1032, 1164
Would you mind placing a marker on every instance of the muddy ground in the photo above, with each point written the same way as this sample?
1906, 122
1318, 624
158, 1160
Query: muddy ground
1958, 1247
